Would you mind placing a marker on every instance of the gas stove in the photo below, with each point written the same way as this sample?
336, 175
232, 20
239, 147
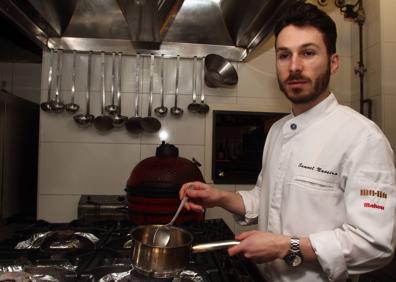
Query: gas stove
97, 251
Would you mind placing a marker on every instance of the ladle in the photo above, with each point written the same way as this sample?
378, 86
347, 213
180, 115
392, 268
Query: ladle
118, 119
112, 109
194, 106
162, 235
176, 111
162, 110
133, 123
103, 122
72, 107
85, 120
149, 123
57, 105
204, 108
46, 106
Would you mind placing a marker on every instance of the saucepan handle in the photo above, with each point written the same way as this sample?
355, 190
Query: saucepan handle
213, 246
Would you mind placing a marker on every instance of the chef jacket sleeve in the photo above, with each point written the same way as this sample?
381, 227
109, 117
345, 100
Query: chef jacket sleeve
366, 241
251, 202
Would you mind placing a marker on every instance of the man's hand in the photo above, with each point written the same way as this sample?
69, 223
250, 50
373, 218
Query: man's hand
202, 195
261, 246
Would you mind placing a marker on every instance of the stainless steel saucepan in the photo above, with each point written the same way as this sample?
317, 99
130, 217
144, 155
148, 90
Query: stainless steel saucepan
165, 262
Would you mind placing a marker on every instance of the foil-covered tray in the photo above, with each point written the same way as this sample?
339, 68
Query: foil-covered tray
59, 240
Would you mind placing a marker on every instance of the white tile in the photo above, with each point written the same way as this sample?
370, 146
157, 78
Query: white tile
388, 20
221, 92
128, 73
372, 30
185, 76
264, 63
76, 168
210, 100
372, 9
389, 118
355, 104
372, 84
344, 98
373, 58
254, 83
388, 68
354, 78
44, 70
177, 127
276, 104
57, 208
341, 80
377, 110
148, 151
61, 127
344, 31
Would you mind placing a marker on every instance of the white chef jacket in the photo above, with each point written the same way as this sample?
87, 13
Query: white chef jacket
329, 174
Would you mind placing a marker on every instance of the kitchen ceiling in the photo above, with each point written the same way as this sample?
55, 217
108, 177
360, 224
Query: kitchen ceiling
231, 28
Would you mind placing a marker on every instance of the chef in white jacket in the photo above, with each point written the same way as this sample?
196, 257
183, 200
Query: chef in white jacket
325, 197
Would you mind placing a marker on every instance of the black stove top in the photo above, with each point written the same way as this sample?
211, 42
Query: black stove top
105, 257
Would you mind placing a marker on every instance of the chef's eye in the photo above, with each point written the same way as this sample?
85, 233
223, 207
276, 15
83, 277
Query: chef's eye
283, 55
309, 53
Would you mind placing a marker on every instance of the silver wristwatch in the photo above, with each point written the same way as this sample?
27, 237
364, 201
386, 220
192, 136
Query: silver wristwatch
294, 256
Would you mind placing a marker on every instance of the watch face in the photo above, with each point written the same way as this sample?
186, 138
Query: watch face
297, 260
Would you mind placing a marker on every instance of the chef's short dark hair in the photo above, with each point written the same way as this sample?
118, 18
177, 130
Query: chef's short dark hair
304, 14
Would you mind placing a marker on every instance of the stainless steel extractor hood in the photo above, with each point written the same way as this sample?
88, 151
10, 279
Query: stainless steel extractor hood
231, 28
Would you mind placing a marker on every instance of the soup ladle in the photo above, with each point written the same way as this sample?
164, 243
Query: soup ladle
103, 122
162, 234
118, 119
149, 123
133, 124
161, 111
85, 120
72, 107
57, 105
112, 109
194, 106
46, 106
203, 107
175, 110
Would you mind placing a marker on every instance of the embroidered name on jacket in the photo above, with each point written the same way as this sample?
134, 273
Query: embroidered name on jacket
369, 192
374, 206
317, 168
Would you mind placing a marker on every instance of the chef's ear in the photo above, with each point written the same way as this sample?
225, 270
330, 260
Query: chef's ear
334, 62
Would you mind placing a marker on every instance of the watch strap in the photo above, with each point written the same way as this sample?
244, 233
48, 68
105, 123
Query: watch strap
294, 256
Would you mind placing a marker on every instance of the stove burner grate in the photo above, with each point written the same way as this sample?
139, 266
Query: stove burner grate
108, 260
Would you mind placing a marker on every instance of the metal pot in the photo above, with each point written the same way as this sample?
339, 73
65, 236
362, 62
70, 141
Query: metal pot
165, 262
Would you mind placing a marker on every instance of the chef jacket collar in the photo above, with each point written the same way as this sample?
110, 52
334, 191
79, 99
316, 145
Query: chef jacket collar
297, 123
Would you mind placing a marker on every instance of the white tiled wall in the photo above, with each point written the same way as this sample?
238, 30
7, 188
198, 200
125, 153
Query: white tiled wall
75, 161
388, 60
380, 43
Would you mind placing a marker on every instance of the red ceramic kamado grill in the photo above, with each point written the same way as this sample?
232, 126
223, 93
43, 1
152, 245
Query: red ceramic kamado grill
154, 183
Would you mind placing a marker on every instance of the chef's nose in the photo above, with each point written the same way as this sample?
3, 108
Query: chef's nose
295, 64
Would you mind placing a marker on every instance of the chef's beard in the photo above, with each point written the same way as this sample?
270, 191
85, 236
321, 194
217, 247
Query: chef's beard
320, 84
